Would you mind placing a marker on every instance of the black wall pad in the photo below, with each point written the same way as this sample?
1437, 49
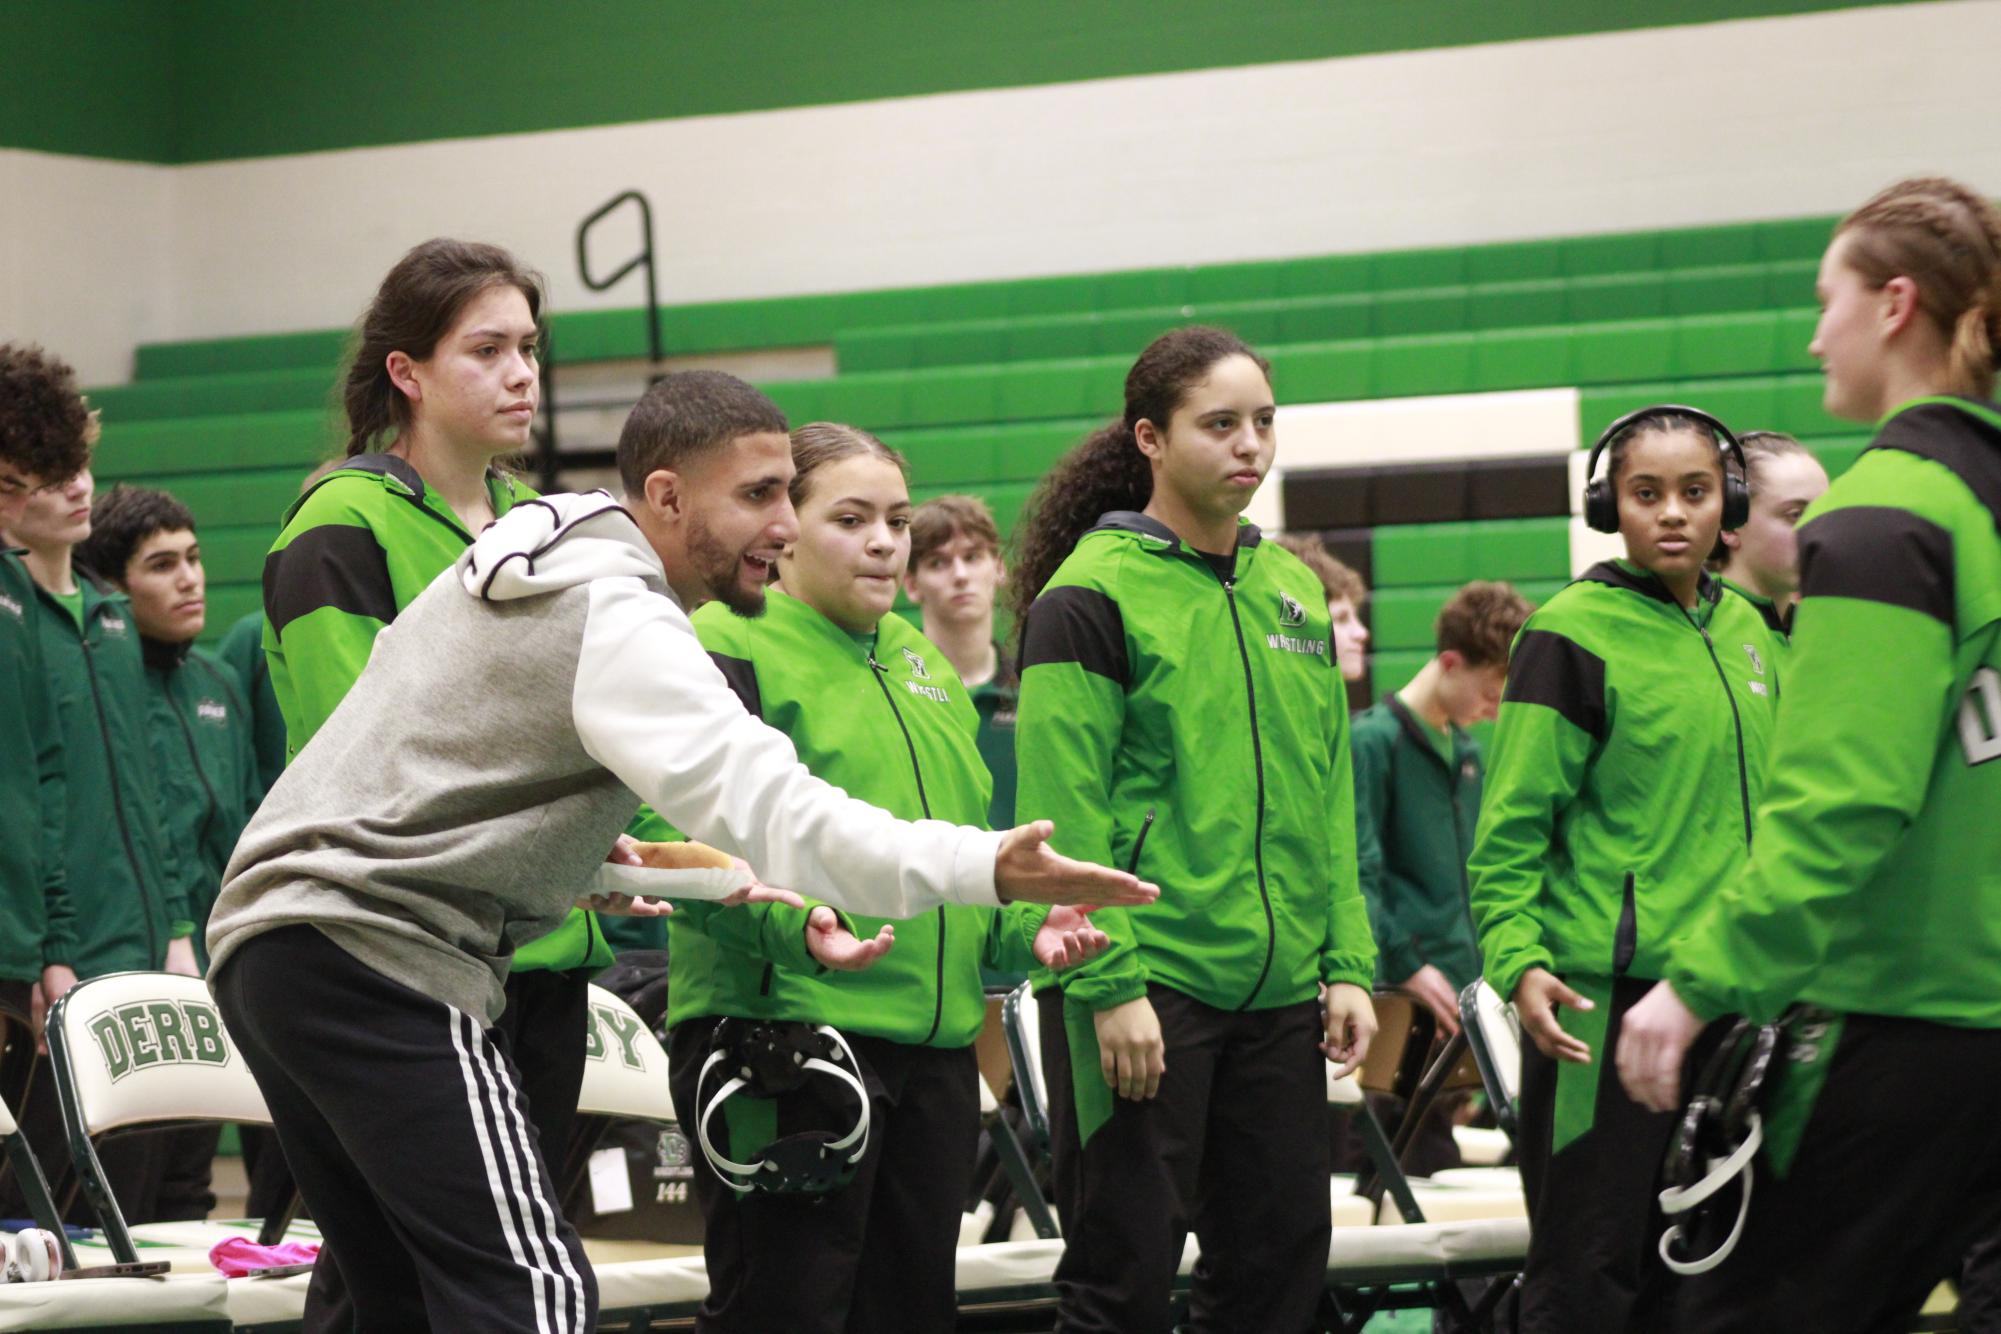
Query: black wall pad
1451, 492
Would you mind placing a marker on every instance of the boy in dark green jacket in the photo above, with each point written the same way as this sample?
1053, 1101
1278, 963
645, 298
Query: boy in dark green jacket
1417, 798
1875, 889
1626, 766
143, 542
126, 883
1181, 709
45, 436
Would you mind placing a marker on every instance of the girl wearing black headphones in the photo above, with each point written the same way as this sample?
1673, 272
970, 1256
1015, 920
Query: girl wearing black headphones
1628, 759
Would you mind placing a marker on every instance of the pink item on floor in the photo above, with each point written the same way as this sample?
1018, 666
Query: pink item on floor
240, 1255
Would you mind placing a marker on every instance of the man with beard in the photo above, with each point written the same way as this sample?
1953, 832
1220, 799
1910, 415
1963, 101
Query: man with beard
461, 798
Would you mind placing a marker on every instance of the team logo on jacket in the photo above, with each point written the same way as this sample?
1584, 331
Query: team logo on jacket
212, 711
1290, 612
916, 662
12, 607
159, 1032
1757, 663
1980, 717
114, 624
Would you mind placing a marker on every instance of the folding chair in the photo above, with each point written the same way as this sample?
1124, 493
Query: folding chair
1495, 1035
136, 1051
625, 1078
1021, 1021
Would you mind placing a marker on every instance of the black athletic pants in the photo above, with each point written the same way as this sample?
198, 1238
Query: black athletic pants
1594, 1218
877, 1257
404, 1122
1897, 1174
544, 1027
1234, 1148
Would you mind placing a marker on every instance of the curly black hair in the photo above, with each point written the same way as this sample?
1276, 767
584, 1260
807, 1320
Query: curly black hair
46, 428
121, 520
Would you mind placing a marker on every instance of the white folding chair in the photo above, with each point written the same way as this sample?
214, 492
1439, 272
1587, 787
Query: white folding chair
1495, 1034
131, 1051
1021, 1024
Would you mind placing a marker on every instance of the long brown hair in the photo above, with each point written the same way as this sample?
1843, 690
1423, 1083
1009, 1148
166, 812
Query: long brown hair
1107, 471
1946, 238
419, 301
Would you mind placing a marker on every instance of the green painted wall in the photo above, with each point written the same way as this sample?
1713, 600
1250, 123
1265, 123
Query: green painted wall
204, 80
92, 77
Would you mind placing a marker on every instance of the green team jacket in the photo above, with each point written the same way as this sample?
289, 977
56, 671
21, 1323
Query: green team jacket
355, 550
885, 719
242, 651
37, 927
1779, 623
1876, 885
126, 882
1151, 683
1627, 762
1415, 813
201, 738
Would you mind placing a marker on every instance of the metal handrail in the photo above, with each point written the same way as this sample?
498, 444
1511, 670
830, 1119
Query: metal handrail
642, 260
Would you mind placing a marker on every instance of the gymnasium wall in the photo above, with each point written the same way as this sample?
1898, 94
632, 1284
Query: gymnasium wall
1538, 136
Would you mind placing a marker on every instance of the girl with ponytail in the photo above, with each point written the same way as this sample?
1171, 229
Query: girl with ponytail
1181, 712
443, 381
1873, 889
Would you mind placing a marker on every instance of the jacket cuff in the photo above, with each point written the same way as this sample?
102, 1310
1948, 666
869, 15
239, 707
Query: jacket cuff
1104, 993
58, 952
973, 869
1347, 968
1032, 918
180, 929
1400, 959
1505, 978
794, 952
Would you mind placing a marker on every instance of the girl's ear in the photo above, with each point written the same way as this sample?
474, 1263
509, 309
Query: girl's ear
1900, 304
1149, 438
403, 374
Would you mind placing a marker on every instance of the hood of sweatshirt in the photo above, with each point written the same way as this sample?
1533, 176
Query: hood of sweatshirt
555, 542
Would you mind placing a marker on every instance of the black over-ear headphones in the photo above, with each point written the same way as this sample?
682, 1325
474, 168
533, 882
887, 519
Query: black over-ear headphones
1601, 503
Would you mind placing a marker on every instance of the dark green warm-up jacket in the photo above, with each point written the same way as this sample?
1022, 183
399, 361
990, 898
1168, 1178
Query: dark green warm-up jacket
202, 749
1150, 683
37, 927
884, 718
355, 550
1415, 813
1876, 884
1627, 762
126, 883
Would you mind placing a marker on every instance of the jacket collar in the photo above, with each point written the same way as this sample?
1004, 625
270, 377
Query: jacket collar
1781, 621
162, 656
1132, 521
1417, 730
1624, 574
397, 475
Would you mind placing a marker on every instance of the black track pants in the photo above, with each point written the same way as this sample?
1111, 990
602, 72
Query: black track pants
1234, 1148
403, 1121
1897, 1174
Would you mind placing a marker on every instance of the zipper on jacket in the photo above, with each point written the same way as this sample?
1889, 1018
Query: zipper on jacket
1258, 761
881, 675
194, 758
118, 802
1736, 722
1626, 939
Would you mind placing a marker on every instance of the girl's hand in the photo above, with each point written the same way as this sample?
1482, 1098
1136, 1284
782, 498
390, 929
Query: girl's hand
834, 946
625, 852
1653, 1042
1067, 938
1131, 1052
759, 892
1349, 1019
1536, 997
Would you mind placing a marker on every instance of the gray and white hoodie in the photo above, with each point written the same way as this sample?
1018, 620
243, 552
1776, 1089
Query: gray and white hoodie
467, 789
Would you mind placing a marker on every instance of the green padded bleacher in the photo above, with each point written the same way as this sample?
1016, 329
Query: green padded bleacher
983, 385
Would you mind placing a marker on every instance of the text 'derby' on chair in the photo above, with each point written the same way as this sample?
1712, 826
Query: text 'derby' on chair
135, 1051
